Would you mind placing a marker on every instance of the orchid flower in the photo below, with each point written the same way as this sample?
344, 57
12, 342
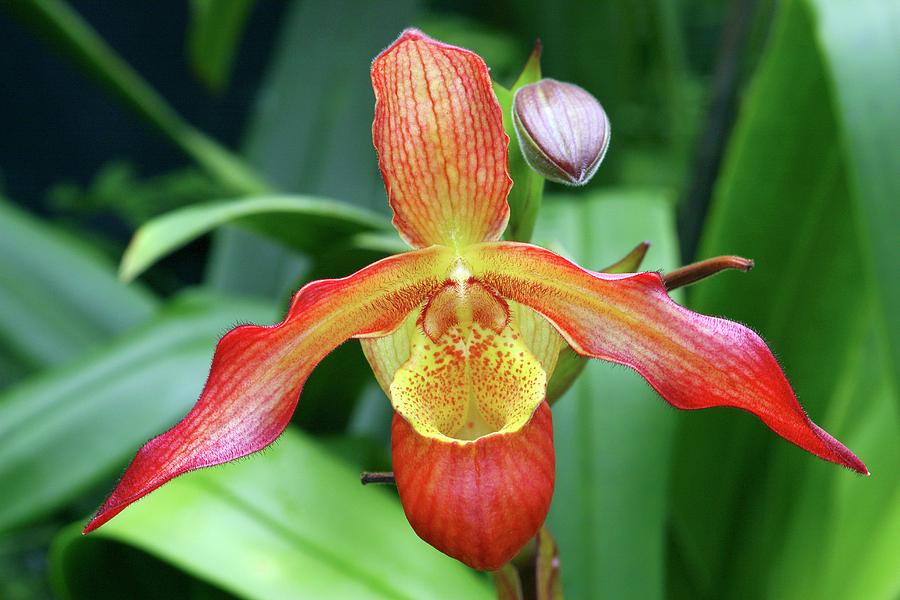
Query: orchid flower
463, 331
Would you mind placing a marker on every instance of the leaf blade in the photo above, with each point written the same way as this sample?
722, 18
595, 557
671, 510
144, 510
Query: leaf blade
58, 298
300, 222
254, 532
127, 391
610, 527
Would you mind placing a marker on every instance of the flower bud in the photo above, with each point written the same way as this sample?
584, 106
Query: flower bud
563, 131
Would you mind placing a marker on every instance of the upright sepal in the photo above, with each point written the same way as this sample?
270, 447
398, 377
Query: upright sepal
441, 144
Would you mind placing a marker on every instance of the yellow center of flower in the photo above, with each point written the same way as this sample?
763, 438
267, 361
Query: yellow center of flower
469, 372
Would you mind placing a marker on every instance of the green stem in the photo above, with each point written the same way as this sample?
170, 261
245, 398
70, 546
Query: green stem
524, 213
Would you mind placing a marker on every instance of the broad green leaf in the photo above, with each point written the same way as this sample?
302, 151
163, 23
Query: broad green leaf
214, 36
787, 205
58, 298
70, 428
299, 222
528, 186
612, 432
848, 526
860, 51
64, 28
313, 131
291, 522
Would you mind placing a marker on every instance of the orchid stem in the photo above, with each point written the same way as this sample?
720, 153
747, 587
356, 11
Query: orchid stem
694, 272
378, 477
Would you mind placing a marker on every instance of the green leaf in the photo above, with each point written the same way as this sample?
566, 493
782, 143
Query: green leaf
213, 38
71, 428
58, 298
858, 45
789, 206
528, 186
79, 43
631, 262
850, 525
612, 432
299, 222
291, 522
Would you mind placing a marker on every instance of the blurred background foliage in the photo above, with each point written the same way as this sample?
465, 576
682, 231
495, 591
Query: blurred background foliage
757, 127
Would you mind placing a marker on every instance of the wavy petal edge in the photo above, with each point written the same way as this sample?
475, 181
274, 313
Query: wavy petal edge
693, 361
258, 372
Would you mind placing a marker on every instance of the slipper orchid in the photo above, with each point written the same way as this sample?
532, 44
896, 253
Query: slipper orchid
463, 332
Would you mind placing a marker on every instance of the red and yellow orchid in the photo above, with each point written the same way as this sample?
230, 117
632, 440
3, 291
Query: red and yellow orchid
463, 331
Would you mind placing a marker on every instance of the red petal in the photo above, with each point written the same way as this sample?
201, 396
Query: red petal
478, 501
441, 145
692, 360
257, 372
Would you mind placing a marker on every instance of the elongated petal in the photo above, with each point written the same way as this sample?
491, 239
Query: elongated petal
441, 144
693, 361
478, 501
257, 372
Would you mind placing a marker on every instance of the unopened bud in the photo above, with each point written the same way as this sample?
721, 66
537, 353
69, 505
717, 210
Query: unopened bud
563, 131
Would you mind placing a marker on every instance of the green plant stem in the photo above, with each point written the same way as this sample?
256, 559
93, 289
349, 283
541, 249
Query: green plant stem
60, 25
524, 214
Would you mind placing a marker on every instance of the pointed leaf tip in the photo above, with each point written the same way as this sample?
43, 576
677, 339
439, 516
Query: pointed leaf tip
631, 262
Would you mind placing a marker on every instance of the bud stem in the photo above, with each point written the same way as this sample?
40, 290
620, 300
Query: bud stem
378, 477
694, 272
